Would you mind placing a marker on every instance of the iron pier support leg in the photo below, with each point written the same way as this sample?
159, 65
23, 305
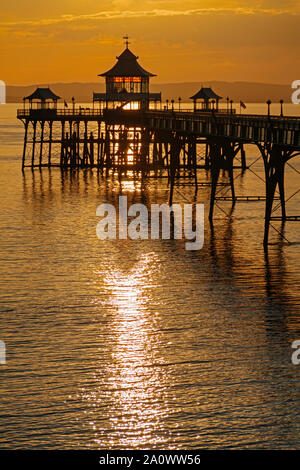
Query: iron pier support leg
214, 181
231, 179
274, 160
42, 143
77, 147
91, 150
207, 155
270, 191
99, 146
174, 163
25, 145
243, 158
229, 149
62, 144
160, 155
33, 144
50, 143
195, 165
281, 189
215, 162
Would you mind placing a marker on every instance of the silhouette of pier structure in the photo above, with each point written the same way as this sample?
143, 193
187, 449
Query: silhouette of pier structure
128, 128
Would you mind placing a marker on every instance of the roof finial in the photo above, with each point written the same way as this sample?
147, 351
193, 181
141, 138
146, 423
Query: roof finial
126, 38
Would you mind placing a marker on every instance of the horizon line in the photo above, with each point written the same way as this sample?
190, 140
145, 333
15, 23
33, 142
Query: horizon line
158, 83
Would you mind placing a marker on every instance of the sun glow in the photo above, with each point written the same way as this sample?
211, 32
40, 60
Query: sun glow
131, 105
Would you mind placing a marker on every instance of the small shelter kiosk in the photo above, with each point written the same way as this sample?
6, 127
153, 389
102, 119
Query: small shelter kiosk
127, 84
42, 98
210, 100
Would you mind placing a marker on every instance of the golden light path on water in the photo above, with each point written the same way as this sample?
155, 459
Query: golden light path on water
134, 384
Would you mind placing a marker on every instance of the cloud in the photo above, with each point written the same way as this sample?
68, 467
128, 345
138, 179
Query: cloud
155, 13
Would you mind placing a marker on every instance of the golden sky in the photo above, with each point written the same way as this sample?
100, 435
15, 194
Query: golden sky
74, 40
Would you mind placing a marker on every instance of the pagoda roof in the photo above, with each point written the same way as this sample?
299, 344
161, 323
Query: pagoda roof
42, 94
206, 94
127, 66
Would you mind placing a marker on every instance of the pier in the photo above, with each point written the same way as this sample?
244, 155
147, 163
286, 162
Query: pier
128, 128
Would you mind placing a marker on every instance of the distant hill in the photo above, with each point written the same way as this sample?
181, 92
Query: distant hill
247, 92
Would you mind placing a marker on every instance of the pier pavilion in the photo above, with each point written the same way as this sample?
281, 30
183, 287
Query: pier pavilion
210, 100
127, 84
41, 98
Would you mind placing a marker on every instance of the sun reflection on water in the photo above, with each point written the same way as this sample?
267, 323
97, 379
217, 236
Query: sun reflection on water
133, 383
130, 185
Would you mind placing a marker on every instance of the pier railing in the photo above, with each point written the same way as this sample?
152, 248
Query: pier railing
198, 111
282, 121
244, 128
53, 113
178, 114
221, 113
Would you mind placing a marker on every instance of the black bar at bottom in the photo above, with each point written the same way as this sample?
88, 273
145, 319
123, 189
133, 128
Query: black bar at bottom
145, 459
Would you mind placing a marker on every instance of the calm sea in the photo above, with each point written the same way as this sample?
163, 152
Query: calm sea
142, 344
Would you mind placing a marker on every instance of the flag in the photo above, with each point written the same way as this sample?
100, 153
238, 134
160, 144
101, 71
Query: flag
242, 105
66, 104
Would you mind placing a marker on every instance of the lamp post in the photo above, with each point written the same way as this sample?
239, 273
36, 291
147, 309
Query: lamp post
167, 101
227, 100
73, 104
179, 102
172, 101
231, 109
281, 108
269, 106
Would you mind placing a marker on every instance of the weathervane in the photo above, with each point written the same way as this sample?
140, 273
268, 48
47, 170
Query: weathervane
126, 38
